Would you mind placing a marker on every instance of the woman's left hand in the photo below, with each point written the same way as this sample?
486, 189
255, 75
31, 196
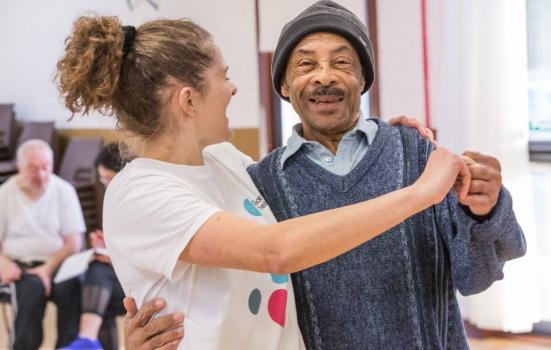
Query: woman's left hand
413, 123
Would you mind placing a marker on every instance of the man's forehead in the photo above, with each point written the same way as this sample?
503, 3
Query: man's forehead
331, 42
37, 155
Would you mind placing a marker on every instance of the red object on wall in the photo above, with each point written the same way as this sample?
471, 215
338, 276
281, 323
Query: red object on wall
425, 62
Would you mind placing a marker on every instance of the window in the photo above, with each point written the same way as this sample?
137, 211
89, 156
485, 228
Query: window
538, 22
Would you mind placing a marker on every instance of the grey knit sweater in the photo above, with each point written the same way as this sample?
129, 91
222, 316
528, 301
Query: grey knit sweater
396, 291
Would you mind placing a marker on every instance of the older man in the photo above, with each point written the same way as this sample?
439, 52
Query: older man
396, 291
41, 223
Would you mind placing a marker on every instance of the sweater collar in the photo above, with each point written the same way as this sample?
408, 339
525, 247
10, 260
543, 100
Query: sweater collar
368, 128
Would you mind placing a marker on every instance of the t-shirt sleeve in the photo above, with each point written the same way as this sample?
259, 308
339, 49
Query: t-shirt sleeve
230, 151
71, 218
150, 223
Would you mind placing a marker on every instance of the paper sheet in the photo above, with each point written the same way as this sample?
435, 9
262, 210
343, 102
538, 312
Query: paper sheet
74, 265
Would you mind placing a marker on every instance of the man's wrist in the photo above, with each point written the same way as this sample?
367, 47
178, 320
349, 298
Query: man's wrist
479, 218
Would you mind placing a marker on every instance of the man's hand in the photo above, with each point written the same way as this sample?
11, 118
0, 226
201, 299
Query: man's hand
142, 332
485, 182
44, 272
413, 123
9, 271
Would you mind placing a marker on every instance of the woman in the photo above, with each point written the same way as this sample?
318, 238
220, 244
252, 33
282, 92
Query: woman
184, 221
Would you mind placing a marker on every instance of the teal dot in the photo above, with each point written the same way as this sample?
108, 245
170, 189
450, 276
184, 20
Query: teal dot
254, 301
280, 278
250, 208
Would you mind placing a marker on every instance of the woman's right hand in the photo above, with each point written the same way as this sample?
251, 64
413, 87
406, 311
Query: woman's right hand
444, 168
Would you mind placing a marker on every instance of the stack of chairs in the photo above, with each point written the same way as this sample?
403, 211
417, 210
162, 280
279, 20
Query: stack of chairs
7, 131
78, 168
31, 130
7, 141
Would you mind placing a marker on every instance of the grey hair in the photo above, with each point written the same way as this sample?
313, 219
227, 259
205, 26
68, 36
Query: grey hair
28, 145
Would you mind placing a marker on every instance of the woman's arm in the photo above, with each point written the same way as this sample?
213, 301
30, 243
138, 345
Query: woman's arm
226, 240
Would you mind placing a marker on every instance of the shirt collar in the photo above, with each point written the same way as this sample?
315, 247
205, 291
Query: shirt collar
368, 128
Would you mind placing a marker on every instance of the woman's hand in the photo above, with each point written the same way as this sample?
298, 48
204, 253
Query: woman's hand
444, 170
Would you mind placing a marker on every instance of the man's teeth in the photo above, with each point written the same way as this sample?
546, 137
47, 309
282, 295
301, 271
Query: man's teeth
327, 101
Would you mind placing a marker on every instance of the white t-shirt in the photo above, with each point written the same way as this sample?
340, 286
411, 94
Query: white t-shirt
33, 230
152, 210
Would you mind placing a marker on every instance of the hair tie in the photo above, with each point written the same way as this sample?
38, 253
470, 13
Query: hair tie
129, 33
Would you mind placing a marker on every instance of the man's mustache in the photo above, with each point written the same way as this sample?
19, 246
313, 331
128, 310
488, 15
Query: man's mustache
328, 91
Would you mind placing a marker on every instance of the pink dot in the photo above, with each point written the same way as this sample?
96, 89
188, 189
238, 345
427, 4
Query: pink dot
277, 305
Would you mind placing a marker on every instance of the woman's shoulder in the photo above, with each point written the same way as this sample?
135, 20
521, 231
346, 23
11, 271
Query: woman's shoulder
227, 152
142, 178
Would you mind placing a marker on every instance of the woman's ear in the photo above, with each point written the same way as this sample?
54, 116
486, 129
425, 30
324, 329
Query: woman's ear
187, 100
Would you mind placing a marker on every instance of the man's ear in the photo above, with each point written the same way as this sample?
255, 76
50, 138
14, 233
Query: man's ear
284, 88
363, 83
187, 100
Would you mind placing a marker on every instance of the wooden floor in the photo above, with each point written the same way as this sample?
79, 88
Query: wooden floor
512, 343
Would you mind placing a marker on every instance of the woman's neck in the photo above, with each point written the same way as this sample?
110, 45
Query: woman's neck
177, 149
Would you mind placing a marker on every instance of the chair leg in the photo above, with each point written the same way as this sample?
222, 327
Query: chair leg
10, 291
13, 296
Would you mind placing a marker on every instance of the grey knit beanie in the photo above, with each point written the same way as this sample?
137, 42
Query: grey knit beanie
323, 16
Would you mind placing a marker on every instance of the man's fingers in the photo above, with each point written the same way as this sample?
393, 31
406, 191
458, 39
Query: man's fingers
484, 159
44, 279
162, 324
166, 338
469, 161
130, 306
482, 172
476, 200
171, 346
47, 284
479, 187
144, 314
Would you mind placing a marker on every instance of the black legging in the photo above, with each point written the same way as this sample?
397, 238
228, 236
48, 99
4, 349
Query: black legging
102, 295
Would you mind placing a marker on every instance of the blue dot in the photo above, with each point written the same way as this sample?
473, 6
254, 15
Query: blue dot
250, 208
254, 301
280, 278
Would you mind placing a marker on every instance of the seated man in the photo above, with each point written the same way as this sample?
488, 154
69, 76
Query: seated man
102, 293
41, 223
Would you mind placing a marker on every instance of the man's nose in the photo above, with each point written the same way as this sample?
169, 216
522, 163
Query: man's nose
42, 174
325, 75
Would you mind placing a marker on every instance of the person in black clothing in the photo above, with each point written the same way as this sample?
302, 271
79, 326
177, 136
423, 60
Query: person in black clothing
102, 293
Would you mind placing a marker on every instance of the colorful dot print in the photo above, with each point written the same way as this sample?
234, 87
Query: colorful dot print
277, 302
277, 305
250, 208
254, 301
280, 278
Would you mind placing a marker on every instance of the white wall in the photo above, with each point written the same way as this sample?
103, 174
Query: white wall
400, 58
32, 38
275, 14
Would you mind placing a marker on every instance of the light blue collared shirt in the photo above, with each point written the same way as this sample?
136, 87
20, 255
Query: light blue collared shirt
350, 150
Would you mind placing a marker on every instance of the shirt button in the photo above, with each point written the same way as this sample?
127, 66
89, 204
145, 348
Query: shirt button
328, 159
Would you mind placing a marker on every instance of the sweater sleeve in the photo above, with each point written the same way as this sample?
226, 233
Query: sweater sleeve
479, 248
